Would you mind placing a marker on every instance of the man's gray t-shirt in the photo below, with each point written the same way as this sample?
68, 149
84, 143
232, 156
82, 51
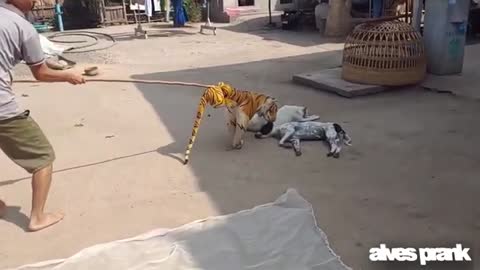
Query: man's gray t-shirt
18, 41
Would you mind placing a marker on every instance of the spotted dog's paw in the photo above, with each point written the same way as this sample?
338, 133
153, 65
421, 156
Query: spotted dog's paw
286, 145
298, 153
334, 155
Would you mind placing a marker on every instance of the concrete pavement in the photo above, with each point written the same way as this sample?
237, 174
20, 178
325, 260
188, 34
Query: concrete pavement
411, 177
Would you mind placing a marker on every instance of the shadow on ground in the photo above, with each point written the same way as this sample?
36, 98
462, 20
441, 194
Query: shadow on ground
15, 216
411, 178
170, 26
14, 181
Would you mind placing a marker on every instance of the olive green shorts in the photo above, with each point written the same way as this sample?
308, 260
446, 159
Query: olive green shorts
22, 140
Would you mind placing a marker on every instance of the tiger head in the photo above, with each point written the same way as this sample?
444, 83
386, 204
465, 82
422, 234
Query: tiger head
268, 110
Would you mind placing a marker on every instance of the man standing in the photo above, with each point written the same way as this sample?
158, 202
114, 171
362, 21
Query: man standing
21, 139
180, 17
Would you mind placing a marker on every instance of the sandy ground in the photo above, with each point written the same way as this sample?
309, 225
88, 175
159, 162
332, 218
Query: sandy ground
411, 178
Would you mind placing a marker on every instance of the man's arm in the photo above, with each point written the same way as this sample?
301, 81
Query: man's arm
34, 56
43, 73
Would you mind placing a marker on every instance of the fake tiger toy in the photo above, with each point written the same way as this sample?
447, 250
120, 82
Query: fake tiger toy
240, 106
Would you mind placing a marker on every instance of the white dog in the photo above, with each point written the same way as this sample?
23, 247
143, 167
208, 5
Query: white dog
286, 114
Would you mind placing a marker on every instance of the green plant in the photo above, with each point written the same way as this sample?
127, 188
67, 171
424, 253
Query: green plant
194, 10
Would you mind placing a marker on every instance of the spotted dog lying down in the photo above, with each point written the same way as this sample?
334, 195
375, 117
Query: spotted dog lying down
290, 134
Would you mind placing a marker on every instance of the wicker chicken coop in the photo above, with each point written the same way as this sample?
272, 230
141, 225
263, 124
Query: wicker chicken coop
387, 53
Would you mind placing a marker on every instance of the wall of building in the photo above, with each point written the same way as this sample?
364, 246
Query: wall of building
219, 8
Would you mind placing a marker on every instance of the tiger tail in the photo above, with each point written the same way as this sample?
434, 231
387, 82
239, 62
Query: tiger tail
215, 96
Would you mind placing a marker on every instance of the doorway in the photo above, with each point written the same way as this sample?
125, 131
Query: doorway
243, 3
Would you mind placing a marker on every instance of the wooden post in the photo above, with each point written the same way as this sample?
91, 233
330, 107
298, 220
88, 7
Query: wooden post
270, 12
417, 11
101, 6
167, 11
125, 11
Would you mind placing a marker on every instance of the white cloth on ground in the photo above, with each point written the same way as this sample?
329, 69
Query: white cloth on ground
51, 49
282, 235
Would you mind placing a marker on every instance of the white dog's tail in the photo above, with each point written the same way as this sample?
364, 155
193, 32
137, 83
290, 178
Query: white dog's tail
310, 118
306, 117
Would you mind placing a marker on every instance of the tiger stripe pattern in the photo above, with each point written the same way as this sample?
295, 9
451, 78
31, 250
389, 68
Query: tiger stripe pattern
241, 106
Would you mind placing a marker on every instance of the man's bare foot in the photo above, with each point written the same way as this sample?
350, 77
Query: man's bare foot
3, 209
44, 221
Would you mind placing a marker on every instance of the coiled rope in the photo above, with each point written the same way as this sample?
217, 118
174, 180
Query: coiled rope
88, 34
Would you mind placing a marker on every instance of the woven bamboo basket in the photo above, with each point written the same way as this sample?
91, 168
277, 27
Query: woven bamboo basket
387, 53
